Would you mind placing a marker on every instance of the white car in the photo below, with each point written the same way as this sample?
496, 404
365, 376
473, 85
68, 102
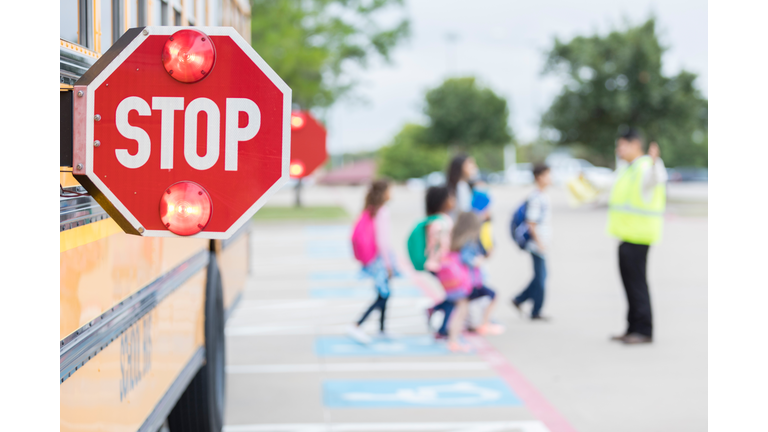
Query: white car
565, 168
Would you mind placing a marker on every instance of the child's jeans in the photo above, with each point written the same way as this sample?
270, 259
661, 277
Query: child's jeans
535, 290
378, 271
447, 307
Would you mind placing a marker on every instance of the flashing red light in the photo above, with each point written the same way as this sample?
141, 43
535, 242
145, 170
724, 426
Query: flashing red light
185, 208
189, 55
296, 169
297, 121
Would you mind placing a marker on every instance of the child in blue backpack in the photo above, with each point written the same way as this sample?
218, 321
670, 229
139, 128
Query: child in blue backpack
381, 268
538, 217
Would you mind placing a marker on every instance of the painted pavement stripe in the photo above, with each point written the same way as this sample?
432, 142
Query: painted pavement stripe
335, 346
336, 275
415, 325
334, 231
490, 426
434, 393
356, 367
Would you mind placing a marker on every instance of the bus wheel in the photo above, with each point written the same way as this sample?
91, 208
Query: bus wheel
201, 407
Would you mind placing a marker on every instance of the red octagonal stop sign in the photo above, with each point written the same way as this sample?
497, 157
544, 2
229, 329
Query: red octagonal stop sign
205, 148
308, 138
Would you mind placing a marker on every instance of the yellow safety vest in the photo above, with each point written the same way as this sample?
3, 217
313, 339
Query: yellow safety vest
630, 217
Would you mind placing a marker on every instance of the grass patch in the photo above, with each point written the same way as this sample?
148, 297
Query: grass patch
300, 213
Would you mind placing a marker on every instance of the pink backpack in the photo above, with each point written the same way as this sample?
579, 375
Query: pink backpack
454, 274
364, 239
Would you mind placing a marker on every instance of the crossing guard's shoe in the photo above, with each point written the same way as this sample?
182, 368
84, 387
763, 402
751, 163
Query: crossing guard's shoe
636, 338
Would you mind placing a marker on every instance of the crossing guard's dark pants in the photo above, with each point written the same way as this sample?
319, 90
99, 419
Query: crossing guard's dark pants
633, 259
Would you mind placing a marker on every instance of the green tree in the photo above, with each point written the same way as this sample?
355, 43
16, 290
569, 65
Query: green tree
310, 43
616, 81
407, 157
464, 115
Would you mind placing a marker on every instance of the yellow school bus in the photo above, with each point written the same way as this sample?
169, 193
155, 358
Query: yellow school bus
142, 319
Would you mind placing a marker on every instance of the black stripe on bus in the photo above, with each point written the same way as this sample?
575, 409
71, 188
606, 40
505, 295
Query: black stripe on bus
85, 343
163, 408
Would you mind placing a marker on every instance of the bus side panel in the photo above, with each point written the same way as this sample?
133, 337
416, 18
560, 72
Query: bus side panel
233, 263
100, 266
118, 388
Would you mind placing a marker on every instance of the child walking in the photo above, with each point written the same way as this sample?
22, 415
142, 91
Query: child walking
538, 216
370, 242
454, 275
473, 254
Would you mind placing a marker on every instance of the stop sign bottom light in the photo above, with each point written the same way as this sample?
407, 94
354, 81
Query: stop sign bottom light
169, 150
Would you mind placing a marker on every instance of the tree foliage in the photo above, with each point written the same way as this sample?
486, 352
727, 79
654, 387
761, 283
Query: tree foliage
407, 157
310, 42
463, 114
616, 81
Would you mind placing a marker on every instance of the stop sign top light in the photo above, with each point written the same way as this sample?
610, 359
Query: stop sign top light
139, 129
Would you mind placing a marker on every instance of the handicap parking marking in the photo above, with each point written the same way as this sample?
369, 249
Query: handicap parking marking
465, 393
362, 292
343, 346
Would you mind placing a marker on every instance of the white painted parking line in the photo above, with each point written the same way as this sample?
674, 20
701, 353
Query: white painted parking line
357, 367
503, 426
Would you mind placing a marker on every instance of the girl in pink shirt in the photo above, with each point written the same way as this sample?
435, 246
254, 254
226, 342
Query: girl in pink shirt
381, 268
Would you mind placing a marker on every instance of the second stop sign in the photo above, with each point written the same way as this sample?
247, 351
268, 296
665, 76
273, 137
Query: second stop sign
308, 140
180, 132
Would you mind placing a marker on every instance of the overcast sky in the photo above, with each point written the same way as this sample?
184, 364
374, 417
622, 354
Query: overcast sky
502, 43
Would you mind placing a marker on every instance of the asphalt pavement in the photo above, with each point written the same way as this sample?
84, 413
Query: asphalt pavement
292, 368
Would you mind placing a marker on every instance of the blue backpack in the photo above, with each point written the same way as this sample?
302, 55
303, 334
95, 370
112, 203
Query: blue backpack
521, 233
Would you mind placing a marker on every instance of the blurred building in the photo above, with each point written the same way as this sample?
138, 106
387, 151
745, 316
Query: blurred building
356, 173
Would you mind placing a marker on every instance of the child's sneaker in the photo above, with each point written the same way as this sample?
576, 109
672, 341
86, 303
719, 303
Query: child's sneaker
440, 336
359, 335
458, 347
490, 329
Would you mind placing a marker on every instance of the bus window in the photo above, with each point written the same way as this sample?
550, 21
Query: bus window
133, 13
142, 12
69, 20
164, 13
191, 15
105, 25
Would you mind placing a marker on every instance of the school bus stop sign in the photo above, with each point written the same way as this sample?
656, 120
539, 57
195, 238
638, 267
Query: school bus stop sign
308, 139
181, 131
